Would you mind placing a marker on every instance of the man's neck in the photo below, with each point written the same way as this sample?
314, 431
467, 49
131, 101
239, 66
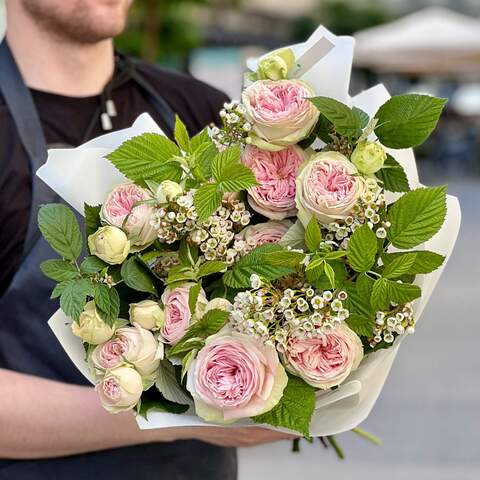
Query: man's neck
55, 65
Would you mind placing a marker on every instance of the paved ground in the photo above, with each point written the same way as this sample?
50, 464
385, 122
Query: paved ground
429, 411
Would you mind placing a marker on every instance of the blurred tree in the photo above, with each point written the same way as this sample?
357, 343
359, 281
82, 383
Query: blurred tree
342, 17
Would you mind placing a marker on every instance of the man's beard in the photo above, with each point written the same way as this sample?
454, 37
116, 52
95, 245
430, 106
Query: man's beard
75, 24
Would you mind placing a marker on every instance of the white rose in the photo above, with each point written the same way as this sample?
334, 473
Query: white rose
147, 314
90, 326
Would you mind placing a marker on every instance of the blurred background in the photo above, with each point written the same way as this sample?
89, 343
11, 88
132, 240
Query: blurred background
428, 413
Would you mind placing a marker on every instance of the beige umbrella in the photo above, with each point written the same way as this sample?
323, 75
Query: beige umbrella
431, 41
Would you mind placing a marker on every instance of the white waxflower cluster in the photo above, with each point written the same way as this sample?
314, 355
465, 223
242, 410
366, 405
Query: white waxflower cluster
236, 128
388, 325
370, 209
276, 314
216, 236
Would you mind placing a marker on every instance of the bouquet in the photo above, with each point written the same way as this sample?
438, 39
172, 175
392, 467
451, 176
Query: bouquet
264, 272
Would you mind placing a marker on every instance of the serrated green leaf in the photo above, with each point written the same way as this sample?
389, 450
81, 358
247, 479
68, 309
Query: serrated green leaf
92, 218
346, 121
193, 293
187, 360
295, 237
229, 173
362, 249
330, 273
199, 139
294, 410
206, 200
204, 155
210, 268
407, 120
362, 326
74, 297
179, 274
425, 261
153, 400
363, 116
58, 270
60, 229
379, 299
315, 269
399, 265
59, 288
92, 264
239, 275
188, 254
107, 302
402, 292
416, 216
147, 156
284, 258
359, 294
393, 176
181, 135
323, 129
323, 283
137, 277
313, 235
167, 384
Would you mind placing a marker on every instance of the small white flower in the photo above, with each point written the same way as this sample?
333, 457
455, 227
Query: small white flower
255, 281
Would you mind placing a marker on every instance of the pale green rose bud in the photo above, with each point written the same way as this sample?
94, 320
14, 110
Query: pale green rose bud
276, 65
110, 244
147, 314
168, 191
219, 304
369, 157
90, 326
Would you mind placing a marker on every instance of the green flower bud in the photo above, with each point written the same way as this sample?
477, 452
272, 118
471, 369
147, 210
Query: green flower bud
110, 244
276, 65
369, 157
147, 314
90, 326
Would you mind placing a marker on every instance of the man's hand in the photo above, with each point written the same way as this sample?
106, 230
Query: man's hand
41, 418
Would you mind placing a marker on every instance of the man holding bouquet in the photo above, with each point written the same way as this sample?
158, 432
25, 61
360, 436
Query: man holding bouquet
62, 84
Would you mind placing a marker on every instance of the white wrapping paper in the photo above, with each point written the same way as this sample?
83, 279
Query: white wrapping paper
83, 175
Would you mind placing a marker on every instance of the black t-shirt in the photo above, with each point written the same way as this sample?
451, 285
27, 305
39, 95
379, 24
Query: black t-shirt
72, 121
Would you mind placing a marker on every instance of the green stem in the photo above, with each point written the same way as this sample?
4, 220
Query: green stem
375, 274
367, 436
296, 445
333, 442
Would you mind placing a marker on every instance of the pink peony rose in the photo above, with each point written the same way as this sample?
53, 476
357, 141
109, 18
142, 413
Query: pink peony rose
235, 376
327, 360
120, 389
328, 187
120, 204
276, 173
109, 354
280, 112
262, 233
177, 312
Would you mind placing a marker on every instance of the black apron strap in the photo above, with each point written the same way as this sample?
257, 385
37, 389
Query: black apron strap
22, 109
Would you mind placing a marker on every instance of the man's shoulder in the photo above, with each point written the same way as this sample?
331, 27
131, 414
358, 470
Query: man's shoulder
186, 94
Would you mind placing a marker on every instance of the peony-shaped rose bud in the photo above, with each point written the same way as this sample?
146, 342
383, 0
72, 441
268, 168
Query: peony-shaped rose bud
325, 361
276, 65
168, 191
177, 312
120, 390
108, 355
90, 326
218, 304
235, 376
110, 244
369, 157
328, 187
275, 172
263, 233
123, 208
280, 112
140, 349
148, 314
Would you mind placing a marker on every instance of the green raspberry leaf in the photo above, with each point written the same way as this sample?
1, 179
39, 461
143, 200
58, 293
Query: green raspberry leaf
407, 120
92, 218
313, 235
60, 229
402, 292
284, 258
210, 268
345, 120
107, 302
424, 260
167, 384
393, 176
92, 264
417, 216
294, 410
74, 297
206, 200
362, 249
147, 156
59, 270
137, 277
361, 325
380, 299
181, 135
399, 265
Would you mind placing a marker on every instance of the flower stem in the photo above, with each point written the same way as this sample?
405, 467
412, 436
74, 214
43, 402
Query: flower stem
296, 445
333, 442
367, 436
